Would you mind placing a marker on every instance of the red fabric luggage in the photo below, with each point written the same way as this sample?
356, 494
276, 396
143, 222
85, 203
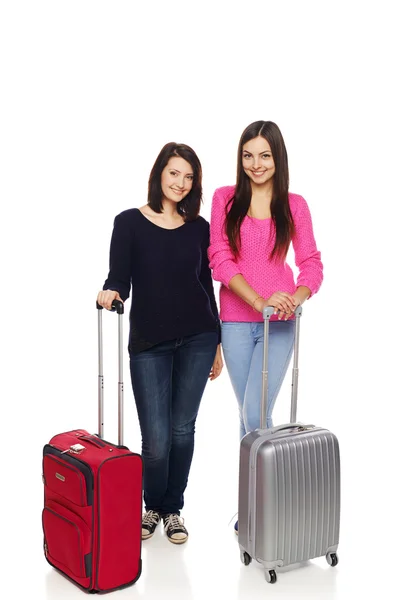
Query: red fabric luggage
93, 501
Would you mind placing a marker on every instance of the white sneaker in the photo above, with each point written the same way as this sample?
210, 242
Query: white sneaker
150, 520
174, 528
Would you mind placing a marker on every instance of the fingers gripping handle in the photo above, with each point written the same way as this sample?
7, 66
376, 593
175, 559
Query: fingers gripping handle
269, 311
118, 307
267, 314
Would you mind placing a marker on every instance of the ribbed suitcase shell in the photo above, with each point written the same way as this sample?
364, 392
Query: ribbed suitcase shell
289, 495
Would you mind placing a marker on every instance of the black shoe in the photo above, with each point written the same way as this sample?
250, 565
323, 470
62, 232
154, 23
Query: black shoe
173, 527
150, 520
236, 527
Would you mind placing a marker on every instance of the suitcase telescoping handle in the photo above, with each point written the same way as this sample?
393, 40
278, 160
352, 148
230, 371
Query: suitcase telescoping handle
118, 307
267, 314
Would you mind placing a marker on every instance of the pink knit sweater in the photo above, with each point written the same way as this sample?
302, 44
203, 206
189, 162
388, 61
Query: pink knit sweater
265, 276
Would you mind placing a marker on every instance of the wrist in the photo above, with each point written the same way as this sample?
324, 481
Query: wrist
302, 294
258, 303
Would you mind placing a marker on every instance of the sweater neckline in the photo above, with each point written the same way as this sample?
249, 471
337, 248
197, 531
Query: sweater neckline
259, 220
159, 226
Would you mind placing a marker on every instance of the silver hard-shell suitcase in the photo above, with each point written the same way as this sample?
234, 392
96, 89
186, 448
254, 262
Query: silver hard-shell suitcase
289, 485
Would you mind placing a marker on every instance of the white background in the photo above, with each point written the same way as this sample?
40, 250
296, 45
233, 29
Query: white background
90, 92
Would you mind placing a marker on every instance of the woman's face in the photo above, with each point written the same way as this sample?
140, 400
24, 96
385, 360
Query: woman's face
257, 160
176, 179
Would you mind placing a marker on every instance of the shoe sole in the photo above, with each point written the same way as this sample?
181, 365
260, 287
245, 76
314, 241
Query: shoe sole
177, 541
148, 535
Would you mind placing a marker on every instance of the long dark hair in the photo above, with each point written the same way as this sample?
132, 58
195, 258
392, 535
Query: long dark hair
239, 204
189, 207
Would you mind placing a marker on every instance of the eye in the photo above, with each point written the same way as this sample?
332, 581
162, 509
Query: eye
173, 173
190, 177
246, 155
266, 155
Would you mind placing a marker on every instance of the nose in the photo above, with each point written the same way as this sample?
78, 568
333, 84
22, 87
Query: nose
256, 162
181, 182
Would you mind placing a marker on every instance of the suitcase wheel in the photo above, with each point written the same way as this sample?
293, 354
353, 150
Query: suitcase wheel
270, 575
245, 558
332, 559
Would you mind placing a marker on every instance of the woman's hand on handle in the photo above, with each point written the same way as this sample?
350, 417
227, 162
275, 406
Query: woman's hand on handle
283, 303
217, 364
105, 298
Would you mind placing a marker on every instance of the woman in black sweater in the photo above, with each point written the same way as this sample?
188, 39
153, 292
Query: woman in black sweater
160, 250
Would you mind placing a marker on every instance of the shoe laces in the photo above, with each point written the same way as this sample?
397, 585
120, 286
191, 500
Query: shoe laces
174, 522
151, 517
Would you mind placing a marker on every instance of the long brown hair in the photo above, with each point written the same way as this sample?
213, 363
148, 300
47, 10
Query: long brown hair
239, 204
189, 207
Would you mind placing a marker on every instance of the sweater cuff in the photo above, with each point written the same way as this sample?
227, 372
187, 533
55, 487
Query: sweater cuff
122, 290
313, 288
219, 332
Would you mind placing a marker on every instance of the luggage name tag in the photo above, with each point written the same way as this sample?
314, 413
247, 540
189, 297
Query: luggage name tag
75, 449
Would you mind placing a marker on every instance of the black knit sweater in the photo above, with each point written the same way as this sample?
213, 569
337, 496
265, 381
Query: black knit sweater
172, 289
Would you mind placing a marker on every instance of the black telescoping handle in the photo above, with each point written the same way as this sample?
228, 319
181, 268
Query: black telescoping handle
118, 307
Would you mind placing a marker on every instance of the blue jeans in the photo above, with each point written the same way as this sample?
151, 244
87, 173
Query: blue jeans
168, 382
243, 344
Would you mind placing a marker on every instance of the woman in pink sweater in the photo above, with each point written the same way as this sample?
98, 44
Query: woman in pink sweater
252, 227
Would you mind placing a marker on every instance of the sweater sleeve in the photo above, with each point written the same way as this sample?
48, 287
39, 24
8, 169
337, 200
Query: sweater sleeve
119, 276
307, 256
222, 259
206, 280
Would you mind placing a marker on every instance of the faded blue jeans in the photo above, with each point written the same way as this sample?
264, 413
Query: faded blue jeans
168, 382
242, 344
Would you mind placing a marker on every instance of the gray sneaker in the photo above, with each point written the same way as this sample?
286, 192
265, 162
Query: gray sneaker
175, 530
150, 520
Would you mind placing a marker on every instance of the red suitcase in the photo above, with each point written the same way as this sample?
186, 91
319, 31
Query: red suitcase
93, 500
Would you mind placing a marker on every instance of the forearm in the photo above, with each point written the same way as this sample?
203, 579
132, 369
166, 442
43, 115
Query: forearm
119, 276
302, 293
241, 288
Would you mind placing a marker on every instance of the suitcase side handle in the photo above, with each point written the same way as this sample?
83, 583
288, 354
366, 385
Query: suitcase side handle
118, 307
268, 311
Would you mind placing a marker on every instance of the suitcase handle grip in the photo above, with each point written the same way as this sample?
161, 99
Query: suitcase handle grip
268, 311
116, 306
298, 426
93, 440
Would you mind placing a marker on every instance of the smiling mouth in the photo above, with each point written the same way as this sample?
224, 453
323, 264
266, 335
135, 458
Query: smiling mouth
180, 192
258, 173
